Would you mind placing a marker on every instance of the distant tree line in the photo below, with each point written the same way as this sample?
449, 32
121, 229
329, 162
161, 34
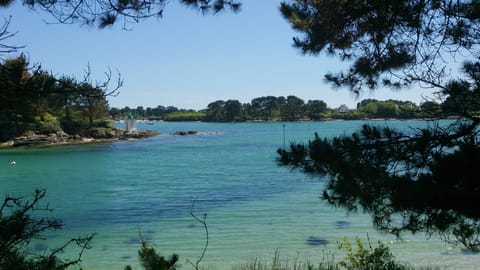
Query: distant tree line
158, 113
265, 108
291, 108
32, 99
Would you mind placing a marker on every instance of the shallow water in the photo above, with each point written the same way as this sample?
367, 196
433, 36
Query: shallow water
253, 206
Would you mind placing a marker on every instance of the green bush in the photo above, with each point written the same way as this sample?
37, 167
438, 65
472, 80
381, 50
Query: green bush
104, 123
46, 127
354, 115
19, 226
151, 260
361, 258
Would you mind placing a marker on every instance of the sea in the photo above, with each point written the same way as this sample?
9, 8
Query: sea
226, 175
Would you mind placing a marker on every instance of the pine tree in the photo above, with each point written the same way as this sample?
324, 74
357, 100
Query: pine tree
415, 180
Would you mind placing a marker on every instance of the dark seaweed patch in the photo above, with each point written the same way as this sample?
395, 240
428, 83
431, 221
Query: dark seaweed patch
316, 241
138, 240
340, 224
125, 257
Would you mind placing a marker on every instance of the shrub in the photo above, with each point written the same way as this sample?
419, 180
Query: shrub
151, 260
378, 258
18, 228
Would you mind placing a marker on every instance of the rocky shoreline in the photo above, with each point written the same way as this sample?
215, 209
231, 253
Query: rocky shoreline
62, 138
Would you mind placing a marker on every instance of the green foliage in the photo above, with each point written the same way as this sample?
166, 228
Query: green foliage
216, 111
233, 110
387, 109
370, 108
106, 123
225, 111
431, 109
47, 123
397, 44
47, 117
35, 100
157, 113
18, 227
380, 109
108, 13
185, 116
361, 258
270, 108
45, 127
391, 43
373, 170
151, 260
293, 109
390, 109
357, 258
353, 115
267, 108
409, 111
314, 108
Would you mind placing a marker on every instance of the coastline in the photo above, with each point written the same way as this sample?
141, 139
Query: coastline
31, 139
105, 135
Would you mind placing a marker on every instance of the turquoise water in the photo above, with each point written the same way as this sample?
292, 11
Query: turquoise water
253, 206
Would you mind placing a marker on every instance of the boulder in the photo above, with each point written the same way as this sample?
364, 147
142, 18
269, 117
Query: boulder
183, 133
33, 139
30, 138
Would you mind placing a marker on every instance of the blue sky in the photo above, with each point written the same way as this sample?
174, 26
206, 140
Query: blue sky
188, 60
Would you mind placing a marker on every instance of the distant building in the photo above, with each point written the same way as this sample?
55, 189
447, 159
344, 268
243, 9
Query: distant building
343, 109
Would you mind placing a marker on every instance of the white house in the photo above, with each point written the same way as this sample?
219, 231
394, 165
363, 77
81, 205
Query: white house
343, 109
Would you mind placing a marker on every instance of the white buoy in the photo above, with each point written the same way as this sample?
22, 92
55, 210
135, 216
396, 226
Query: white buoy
13, 162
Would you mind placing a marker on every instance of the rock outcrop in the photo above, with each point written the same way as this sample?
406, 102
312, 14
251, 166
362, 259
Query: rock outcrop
60, 137
183, 133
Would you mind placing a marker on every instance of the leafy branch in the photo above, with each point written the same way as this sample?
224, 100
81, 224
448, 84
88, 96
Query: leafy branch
18, 228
